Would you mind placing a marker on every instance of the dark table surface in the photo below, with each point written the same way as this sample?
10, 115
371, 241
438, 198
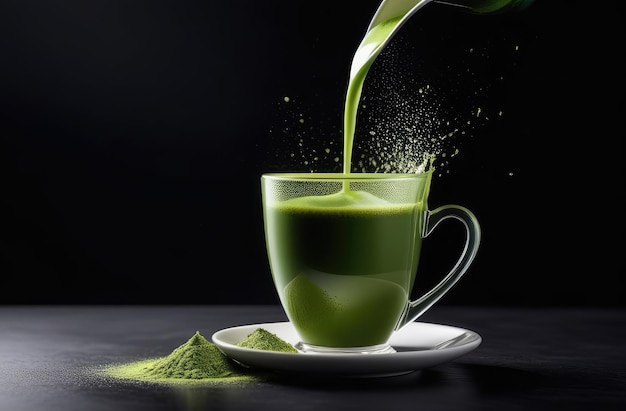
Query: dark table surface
530, 359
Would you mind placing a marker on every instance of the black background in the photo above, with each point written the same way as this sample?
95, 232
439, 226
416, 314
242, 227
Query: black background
133, 135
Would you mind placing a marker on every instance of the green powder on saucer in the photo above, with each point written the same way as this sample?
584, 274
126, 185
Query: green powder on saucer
261, 339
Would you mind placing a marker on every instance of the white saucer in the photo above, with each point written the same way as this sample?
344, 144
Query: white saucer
418, 345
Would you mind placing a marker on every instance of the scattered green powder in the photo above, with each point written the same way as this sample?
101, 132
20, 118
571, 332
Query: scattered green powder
261, 339
197, 360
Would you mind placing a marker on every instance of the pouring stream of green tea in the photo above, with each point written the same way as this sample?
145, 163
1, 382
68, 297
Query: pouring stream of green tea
388, 19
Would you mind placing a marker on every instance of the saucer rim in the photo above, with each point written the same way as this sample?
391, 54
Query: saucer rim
410, 356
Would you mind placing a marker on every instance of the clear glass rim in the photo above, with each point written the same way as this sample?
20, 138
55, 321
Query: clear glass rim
345, 177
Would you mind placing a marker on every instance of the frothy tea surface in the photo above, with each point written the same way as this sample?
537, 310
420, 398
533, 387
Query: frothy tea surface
343, 199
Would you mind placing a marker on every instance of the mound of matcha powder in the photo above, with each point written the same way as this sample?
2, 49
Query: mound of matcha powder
197, 360
261, 339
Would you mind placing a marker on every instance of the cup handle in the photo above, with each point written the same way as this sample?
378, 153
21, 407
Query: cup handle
431, 219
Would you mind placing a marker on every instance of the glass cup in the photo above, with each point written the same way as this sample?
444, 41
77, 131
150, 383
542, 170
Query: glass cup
344, 251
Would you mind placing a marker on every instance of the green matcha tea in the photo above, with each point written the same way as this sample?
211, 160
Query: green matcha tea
343, 264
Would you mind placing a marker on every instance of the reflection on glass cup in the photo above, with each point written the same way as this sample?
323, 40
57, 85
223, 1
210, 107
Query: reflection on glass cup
344, 252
